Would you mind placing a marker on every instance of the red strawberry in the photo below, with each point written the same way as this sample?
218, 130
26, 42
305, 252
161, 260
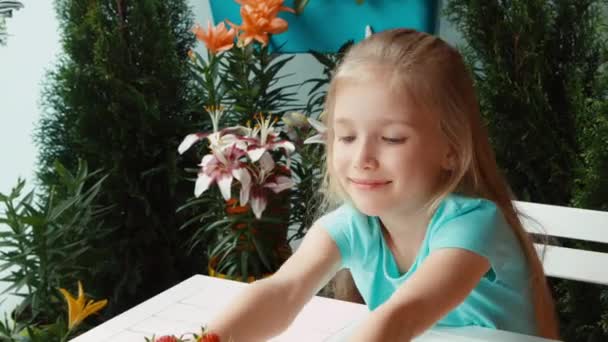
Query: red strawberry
167, 338
209, 337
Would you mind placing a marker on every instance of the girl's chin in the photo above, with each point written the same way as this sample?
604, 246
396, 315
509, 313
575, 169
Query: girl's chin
369, 207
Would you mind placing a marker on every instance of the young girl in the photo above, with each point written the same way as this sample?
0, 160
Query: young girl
424, 220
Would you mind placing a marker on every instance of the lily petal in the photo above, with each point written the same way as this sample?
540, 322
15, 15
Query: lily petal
266, 162
206, 160
215, 138
72, 307
189, 140
281, 183
243, 176
225, 182
288, 146
277, 25
81, 300
318, 125
258, 205
92, 307
315, 139
256, 153
202, 184
222, 140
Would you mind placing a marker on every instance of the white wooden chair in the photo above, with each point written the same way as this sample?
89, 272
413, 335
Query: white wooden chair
571, 223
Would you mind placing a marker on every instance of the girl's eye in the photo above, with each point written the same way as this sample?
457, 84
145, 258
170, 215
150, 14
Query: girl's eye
394, 140
347, 139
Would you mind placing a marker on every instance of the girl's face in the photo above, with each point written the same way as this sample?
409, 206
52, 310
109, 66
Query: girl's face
386, 154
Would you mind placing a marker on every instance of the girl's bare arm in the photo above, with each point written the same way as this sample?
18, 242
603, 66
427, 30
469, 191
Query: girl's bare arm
442, 282
268, 306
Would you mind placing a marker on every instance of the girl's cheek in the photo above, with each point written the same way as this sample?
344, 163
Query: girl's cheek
335, 162
338, 161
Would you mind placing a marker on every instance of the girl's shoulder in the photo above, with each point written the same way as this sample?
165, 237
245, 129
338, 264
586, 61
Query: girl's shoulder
474, 224
352, 231
345, 215
460, 206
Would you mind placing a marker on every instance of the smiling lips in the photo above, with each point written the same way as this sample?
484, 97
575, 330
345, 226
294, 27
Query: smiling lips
367, 184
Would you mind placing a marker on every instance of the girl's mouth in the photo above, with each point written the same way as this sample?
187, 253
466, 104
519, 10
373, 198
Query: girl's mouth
368, 184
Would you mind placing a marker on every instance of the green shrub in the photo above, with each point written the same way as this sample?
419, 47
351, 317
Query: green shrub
120, 98
50, 243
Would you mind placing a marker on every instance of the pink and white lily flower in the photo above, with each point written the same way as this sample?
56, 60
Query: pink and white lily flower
268, 139
266, 183
221, 168
321, 136
220, 140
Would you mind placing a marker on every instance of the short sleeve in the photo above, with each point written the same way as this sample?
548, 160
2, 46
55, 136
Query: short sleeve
338, 224
476, 227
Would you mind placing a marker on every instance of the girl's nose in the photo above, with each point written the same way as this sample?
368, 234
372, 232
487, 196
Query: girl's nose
365, 157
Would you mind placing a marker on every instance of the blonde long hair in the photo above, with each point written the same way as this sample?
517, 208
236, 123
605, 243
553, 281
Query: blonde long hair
433, 74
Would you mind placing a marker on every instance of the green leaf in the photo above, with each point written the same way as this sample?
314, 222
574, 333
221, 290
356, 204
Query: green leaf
190, 203
15, 286
323, 59
300, 5
222, 246
261, 251
244, 264
33, 220
65, 176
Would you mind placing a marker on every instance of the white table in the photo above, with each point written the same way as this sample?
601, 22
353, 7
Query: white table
189, 304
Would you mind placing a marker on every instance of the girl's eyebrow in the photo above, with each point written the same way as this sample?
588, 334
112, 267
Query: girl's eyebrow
343, 121
383, 121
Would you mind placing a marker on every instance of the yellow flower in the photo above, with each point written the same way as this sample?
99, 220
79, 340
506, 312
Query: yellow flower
78, 308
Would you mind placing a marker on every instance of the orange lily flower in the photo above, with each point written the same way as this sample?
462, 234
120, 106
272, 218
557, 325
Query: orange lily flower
80, 308
273, 6
260, 19
216, 39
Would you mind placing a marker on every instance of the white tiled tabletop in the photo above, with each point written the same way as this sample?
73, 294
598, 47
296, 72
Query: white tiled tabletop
189, 304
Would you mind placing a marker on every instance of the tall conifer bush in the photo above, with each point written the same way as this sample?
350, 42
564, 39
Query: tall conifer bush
539, 71
119, 98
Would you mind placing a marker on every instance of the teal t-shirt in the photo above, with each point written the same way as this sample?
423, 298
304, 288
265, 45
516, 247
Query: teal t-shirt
501, 300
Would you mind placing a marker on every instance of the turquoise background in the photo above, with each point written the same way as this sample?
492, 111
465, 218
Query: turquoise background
327, 24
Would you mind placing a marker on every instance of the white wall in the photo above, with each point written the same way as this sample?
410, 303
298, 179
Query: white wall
31, 48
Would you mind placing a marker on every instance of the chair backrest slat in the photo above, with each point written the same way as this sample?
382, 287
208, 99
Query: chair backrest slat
572, 223
574, 264
565, 222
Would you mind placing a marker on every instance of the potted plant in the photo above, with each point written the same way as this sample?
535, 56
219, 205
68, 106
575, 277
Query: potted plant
249, 167
248, 184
